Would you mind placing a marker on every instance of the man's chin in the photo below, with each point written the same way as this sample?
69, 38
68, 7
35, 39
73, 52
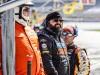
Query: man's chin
58, 26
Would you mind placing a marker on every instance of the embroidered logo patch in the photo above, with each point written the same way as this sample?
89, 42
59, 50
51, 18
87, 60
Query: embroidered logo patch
44, 45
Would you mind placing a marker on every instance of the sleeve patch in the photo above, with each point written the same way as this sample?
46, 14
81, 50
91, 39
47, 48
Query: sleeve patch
83, 56
43, 52
44, 46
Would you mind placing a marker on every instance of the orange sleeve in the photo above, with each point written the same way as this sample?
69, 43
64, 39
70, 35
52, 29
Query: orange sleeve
41, 70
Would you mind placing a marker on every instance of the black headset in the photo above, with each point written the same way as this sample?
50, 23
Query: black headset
75, 31
45, 23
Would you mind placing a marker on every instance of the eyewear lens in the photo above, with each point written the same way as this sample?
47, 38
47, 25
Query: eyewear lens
56, 20
67, 34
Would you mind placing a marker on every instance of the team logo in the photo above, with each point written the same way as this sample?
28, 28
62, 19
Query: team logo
44, 45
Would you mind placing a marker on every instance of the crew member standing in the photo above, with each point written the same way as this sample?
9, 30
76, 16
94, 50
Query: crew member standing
52, 46
79, 61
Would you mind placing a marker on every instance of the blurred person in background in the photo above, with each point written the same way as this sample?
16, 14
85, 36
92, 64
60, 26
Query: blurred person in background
52, 45
26, 43
33, 18
79, 61
37, 28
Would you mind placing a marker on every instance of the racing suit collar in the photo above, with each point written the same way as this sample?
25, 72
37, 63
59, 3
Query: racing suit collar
71, 45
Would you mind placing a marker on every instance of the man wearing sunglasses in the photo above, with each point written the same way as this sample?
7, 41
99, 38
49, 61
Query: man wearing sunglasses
79, 61
52, 46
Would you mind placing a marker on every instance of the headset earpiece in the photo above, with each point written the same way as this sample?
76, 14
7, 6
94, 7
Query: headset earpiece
44, 24
75, 31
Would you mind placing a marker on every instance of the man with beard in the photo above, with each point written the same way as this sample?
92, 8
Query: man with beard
52, 46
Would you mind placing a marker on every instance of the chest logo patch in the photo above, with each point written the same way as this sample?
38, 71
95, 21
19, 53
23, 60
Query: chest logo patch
44, 45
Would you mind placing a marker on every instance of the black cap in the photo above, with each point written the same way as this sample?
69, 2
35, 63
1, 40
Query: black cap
53, 15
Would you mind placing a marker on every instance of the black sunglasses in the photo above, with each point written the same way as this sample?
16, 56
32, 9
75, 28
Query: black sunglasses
56, 20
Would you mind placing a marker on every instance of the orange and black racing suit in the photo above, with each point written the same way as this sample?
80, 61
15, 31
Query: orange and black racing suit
54, 53
79, 62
